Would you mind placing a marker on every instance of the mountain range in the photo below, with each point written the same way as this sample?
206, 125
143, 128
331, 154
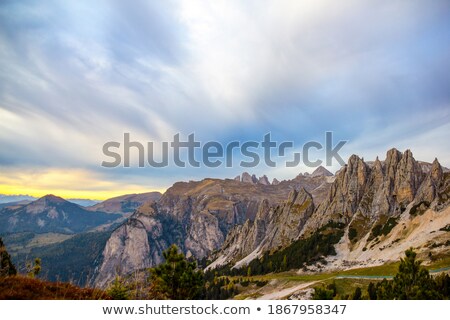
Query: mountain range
6, 199
51, 214
235, 222
366, 214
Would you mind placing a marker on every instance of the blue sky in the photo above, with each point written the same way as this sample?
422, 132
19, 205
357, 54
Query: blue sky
74, 75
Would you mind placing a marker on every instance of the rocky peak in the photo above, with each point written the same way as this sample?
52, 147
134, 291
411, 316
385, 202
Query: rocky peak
355, 175
264, 180
45, 203
50, 199
275, 182
321, 172
377, 172
393, 157
246, 177
436, 170
408, 177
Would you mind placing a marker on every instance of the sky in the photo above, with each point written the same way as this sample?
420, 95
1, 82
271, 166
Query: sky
77, 74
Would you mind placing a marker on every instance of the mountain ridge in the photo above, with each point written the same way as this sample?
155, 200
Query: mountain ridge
233, 221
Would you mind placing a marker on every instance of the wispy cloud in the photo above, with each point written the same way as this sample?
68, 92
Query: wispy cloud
75, 75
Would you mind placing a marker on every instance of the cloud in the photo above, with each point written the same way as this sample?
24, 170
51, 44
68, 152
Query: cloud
76, 75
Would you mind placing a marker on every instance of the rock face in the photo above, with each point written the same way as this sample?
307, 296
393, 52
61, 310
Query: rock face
273, 227
246, 177
264, 180
136, 244
362, 195
198, 216
127, 249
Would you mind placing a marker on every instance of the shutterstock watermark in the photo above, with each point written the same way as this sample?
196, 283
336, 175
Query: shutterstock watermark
213, 154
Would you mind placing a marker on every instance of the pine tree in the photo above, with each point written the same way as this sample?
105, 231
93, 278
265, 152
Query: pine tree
6, 266
357, 294
117, 290
284, 264
322, 293
412, 280
176, 278
372, 291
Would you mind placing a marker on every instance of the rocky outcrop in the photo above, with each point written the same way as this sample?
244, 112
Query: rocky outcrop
126, 250
363, 195
264, 180
247, 178
428, 191
273, 227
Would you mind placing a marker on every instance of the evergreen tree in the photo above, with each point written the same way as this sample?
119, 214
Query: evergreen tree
6, 266
412, 281
322, 293
176, 278
372, 291
117, 290
442, 282
284, 263
357, 294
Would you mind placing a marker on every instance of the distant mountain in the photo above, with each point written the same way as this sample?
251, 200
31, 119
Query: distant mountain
321, 171
84, 202
15, 203
51, 214
126, 203
15, 198
21, 198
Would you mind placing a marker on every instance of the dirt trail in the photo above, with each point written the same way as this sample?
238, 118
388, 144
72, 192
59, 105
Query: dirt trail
285, 292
